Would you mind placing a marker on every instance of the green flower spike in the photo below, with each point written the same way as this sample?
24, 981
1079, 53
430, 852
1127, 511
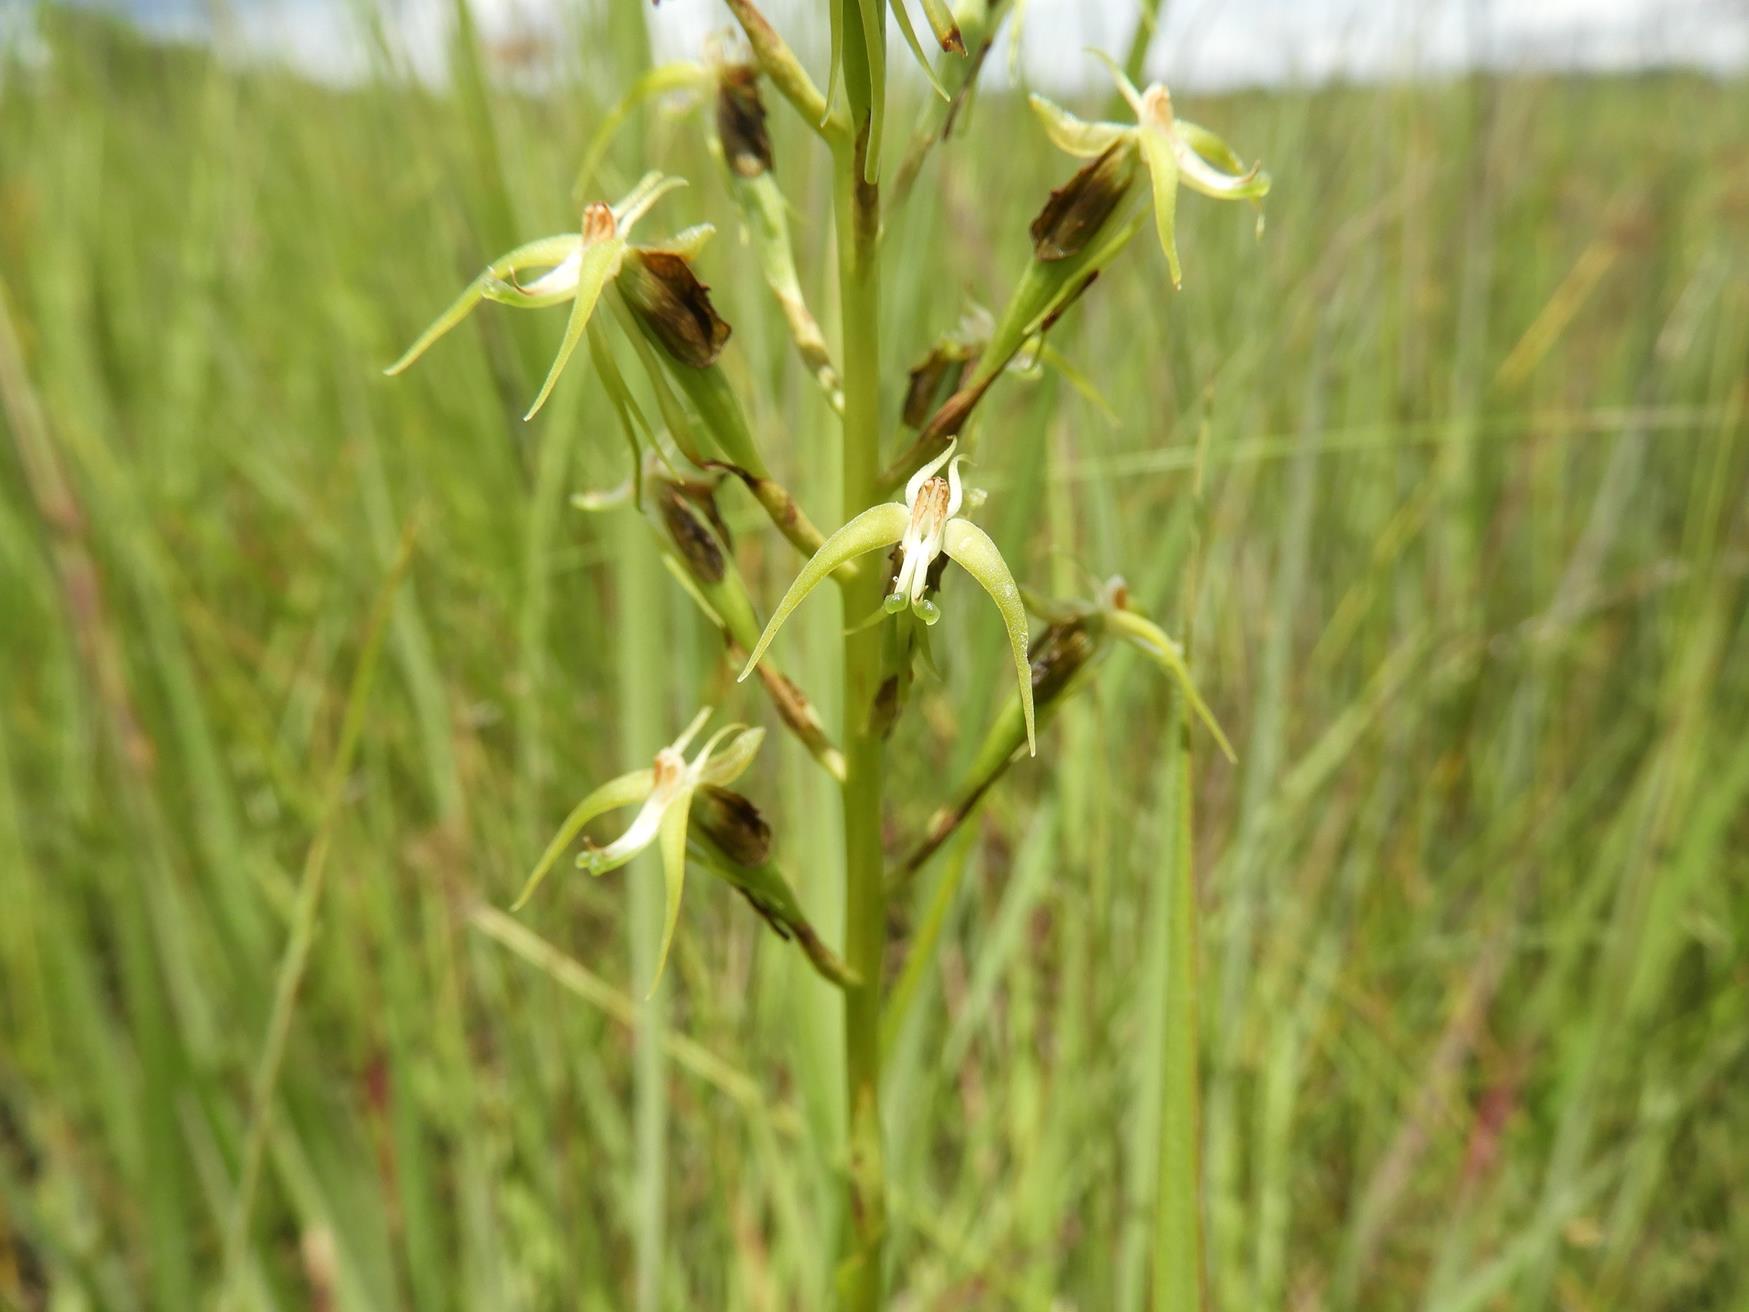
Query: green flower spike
924, 526
666, 790
1175, 150
578, 266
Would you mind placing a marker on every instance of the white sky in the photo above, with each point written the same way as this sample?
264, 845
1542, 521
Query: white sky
1203, 43
1227, 42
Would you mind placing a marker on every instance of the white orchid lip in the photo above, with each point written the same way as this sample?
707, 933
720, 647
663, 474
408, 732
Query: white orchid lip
559, 282
933, 501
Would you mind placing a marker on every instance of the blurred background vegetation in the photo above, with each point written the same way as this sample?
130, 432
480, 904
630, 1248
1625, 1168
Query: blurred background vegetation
1469, 426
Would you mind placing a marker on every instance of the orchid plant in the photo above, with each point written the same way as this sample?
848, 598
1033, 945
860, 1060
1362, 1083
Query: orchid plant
691, 440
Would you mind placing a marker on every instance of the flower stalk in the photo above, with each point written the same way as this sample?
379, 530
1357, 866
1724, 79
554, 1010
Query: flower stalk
857, 213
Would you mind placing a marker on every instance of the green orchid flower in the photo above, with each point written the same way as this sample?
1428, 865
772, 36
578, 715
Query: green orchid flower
1111, 613
666, 791
1078, 635
924, 527
1175, 150
578, 266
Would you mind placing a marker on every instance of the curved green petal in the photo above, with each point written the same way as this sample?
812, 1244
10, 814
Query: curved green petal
731, 763
1196, 149
879, 526
1209, 145
1163, 171
612, 795
1153, 642
687, 243
600, 262
545, 251
1072, 134
636, 203
1126, 88
673, 844
975, 553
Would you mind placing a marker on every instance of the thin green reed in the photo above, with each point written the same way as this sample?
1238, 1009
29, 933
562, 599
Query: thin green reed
905, 512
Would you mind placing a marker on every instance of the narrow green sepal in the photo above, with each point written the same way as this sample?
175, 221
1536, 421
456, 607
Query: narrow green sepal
600, 263
672, 841
1163, 172
1073, 134
1152, 641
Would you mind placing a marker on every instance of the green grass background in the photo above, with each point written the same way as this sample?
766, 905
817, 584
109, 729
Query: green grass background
1470, 600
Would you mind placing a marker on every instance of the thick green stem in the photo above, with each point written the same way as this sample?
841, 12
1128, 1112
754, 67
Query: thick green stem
857, 204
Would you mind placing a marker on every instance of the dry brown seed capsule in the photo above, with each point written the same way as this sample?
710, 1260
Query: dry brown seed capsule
741, 121
1078, 209
733, 824
933, 379
674, 305
690, 533
1058, 656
